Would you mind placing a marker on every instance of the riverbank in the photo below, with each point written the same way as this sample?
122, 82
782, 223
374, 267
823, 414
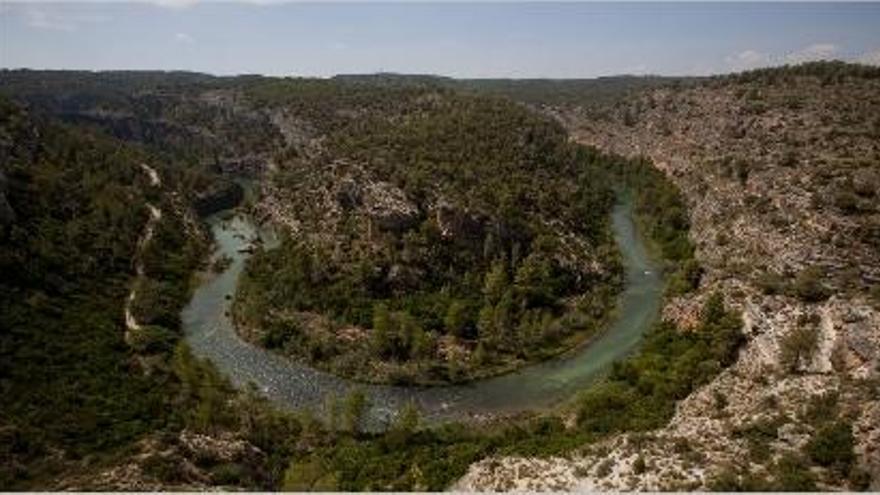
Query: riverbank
301, 337
211, 334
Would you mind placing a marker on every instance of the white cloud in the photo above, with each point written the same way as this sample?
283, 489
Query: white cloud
175, 4
816, 51
870, 58
184, 38
747, 59
58, 20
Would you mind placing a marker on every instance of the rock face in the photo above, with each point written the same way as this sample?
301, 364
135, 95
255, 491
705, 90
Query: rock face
186, 462
779, 174
318, 209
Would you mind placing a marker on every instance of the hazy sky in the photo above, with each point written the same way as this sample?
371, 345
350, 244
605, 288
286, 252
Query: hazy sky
455, 39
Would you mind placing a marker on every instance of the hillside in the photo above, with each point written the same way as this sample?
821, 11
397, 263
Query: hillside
433, 236
76, 206
780, 169
434, 231
593, 94
460, 190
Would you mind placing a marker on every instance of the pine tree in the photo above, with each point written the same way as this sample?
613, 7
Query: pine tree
456, 319
496, 281
381, 335
356, 406
486, 323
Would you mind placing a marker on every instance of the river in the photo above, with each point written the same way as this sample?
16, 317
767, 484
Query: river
211, 334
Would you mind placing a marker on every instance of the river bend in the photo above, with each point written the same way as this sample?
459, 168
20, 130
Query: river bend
211, 334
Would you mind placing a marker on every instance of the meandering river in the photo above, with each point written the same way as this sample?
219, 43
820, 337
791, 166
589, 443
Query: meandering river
211, 334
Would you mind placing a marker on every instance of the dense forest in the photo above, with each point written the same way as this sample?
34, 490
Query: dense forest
76, 206
441, 237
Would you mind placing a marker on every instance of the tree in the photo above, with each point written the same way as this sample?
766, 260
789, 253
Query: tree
798, 346
405, 335
480, 354
308, 475
687, 278
486, 323
334, 411
356, 405
504, 313
713, 309
405, 424
534, 281
423, 344
456, 318
792, 474
381, 335
496, 281
832, 446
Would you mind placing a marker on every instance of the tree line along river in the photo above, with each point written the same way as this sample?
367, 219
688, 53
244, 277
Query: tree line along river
211, 334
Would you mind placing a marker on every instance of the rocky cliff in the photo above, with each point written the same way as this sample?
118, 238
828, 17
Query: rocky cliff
781, 170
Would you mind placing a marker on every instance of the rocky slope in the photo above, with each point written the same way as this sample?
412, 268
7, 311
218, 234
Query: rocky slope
781, 170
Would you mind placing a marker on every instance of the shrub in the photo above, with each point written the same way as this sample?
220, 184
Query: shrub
808, 285
832, 446
229, 473
797, 347
639, 465
308, 475
278, 333
759, 435
792, 474
846, 201
771, 283
642, 390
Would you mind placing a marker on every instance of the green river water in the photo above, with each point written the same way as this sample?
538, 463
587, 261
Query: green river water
211, 334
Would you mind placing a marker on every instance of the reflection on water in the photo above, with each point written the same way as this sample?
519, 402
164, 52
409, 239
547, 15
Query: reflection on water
210, 333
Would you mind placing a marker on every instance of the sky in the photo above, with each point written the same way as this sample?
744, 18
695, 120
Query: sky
490, 39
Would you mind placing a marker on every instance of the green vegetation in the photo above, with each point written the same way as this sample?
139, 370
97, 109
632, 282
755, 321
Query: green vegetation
489, 267
790, 473
407, 458
592, 95
831, 449
828, 71
798, 347
832, 446
807, 285
662, 212
68, 379
493, 283
759, 434
159, 109
642, 390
